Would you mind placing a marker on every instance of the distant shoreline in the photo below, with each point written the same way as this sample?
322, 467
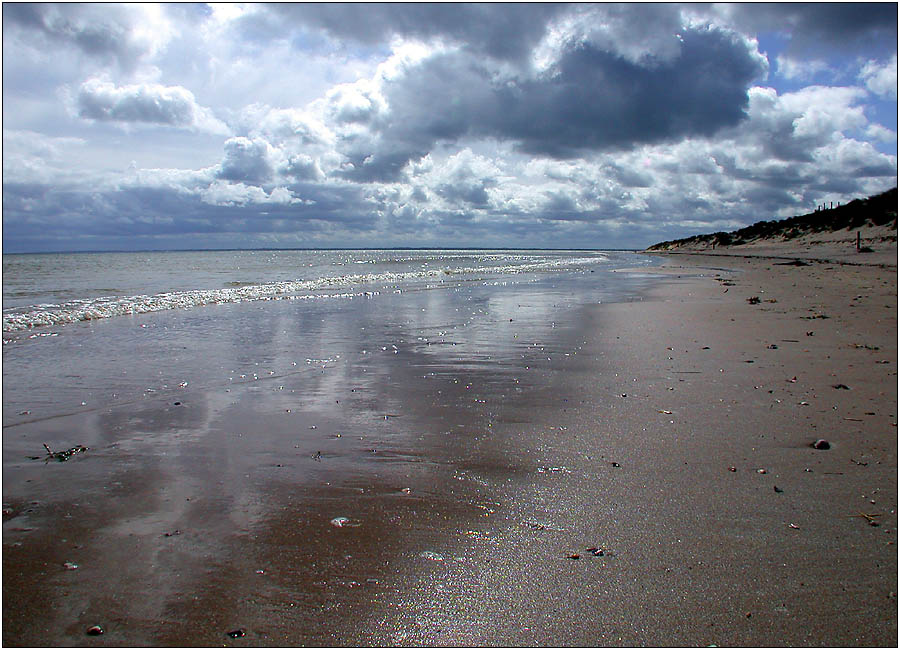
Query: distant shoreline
338, 248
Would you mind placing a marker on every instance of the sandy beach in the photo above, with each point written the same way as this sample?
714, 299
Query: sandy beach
645, 477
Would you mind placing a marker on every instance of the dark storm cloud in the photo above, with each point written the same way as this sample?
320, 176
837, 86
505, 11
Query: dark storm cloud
820, 26
378, 166
472, 191
600, 101
502, 31
102, 31
591, 100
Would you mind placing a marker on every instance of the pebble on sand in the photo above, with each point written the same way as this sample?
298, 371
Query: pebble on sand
821, 443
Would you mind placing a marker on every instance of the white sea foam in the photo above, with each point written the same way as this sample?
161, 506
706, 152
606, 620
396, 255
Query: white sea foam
106, 307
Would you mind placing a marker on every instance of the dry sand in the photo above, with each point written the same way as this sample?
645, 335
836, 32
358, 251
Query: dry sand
640, 433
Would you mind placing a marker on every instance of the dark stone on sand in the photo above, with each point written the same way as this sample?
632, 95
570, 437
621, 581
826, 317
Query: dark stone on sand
94, 630
821, 443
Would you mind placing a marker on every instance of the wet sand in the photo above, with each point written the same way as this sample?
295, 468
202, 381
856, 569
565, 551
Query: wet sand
637, 429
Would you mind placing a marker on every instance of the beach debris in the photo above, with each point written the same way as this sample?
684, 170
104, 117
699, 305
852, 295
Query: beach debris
772, 346
172, 534
94, 630
761, 471
596, 551
70, 566
236, 634
840, 386
664, 411
810, 333
61, 456
534, 525
794, 526
573, 556
754, 300
792, 380
344, 522
732, 468
869, 517
778, 489
431, 555
859, 462
821, 443
317, 456
614, 464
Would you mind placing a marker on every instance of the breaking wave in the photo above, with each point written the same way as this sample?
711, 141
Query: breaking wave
110, 306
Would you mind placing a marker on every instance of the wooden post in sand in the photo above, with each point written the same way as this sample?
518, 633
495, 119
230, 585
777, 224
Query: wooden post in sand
857, 241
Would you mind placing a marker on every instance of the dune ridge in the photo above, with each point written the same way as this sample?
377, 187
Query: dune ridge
873, 218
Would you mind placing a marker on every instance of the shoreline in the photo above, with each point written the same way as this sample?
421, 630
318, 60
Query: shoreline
618, 434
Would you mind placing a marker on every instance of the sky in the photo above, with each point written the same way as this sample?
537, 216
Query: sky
193, 126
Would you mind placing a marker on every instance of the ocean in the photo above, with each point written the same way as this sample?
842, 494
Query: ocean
57, 289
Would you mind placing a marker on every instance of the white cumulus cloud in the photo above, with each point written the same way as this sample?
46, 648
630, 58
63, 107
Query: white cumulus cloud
238, 194
147, 103
881, 78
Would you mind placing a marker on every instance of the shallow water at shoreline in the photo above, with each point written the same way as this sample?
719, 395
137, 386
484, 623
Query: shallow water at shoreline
50, 371
58, 289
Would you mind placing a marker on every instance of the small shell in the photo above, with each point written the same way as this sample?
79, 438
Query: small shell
343, 522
